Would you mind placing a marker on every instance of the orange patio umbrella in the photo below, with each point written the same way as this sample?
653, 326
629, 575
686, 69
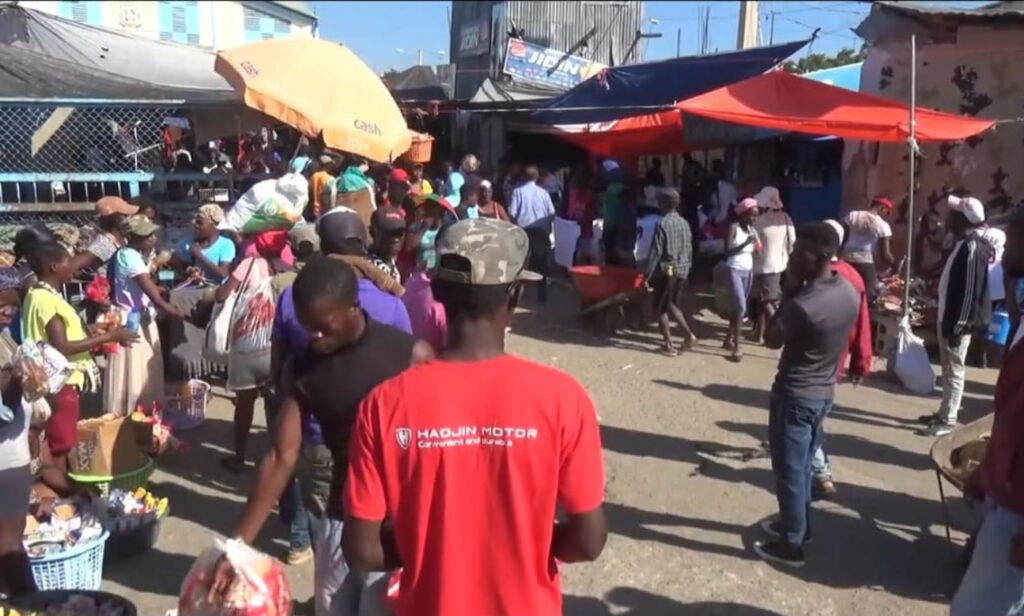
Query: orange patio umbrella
316, 87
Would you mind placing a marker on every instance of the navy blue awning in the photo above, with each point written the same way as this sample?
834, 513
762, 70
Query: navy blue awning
636, 89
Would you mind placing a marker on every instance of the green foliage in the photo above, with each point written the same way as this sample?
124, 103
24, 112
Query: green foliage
818, 61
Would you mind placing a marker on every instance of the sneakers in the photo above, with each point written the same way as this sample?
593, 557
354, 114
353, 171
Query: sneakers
297, 557
822, 489
773, 528
780, 552
939, 428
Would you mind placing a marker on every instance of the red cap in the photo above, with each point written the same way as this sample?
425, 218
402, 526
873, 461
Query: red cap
399, 175
882, 201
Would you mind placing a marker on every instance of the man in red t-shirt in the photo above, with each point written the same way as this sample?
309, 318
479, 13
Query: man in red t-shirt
470, 456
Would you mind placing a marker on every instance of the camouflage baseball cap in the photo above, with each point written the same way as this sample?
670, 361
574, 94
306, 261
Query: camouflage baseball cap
492, 252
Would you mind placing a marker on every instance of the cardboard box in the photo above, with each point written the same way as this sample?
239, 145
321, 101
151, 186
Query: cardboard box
106, 446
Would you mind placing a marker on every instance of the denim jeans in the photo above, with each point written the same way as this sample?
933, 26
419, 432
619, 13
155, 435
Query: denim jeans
290, 506
336, 590
954, 371
794, 430
992, 586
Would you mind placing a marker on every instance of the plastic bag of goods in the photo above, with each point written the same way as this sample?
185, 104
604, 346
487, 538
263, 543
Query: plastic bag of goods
259, 587
270, 204
42, 368
912, 366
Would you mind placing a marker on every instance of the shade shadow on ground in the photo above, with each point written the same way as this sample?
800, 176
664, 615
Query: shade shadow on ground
875, 538
636, 602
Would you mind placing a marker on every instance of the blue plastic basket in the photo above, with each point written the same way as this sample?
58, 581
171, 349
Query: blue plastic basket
77, 568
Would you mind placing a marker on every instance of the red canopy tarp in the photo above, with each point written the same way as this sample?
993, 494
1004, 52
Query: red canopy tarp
653, 133
789, 102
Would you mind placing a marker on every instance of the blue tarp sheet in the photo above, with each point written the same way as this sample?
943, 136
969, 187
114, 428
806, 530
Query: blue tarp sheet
637, 89
847, 76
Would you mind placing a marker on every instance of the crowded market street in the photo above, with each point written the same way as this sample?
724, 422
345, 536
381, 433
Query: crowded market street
687, 483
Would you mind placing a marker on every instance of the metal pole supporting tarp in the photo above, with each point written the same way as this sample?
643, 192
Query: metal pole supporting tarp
911, 184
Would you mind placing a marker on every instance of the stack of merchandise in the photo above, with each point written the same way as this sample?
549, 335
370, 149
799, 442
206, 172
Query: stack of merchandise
127, 510
923, 299
153, 433
68, 526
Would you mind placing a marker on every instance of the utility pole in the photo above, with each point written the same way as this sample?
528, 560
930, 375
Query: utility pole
679, 38
419, 57
771, 30
746, 35
707, 41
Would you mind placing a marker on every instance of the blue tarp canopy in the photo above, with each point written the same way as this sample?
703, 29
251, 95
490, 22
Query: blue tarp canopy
846, 76
637, 89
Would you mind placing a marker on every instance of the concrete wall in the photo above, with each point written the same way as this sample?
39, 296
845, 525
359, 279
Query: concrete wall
221, 24
979, 74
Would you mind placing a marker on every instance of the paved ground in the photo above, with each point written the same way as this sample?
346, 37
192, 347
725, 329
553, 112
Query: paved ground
687, 483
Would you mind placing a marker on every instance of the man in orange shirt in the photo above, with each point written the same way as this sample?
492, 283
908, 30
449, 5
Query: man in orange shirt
319, 180
470, 477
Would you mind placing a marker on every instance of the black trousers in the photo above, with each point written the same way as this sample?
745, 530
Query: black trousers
869, 274
540, 257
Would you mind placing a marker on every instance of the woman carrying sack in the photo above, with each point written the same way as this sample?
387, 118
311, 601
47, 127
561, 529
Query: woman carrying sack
250, 330
135, 374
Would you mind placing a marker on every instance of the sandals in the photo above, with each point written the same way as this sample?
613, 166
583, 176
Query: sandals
669, 352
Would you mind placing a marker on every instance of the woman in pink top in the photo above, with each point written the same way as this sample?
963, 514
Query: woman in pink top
425, 313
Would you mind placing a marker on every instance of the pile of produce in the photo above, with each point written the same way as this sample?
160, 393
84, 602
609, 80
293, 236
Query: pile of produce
66, 526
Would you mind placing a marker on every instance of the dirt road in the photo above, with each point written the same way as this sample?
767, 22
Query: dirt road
687, 482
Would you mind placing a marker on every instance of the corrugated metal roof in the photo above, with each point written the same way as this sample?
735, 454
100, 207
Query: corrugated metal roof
997, 10
296, 6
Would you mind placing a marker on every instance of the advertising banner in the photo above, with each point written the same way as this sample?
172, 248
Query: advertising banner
547, 67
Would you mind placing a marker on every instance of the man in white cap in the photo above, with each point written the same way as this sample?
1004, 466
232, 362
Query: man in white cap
964, 306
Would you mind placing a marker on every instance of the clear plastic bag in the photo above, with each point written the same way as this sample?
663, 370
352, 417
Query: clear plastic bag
259, 587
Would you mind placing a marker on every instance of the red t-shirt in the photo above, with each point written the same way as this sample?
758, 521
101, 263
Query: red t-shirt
468, 461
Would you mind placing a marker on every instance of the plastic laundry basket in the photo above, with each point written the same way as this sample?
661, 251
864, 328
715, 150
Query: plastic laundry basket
129, 482
187, 412
77, 568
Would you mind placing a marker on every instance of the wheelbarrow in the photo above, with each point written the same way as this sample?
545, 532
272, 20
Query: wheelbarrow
946, 455
605, 291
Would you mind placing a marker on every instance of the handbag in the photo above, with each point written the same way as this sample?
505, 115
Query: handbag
217, 341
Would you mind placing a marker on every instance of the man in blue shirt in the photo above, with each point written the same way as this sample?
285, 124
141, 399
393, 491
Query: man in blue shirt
531, 209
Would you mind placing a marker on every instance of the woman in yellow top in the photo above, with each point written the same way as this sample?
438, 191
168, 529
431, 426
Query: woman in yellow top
47, 317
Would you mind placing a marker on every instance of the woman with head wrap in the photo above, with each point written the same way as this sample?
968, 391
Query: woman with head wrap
251, 332
208, 255
741, 245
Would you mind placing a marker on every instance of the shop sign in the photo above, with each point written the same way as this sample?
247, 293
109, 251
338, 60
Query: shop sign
548, 67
